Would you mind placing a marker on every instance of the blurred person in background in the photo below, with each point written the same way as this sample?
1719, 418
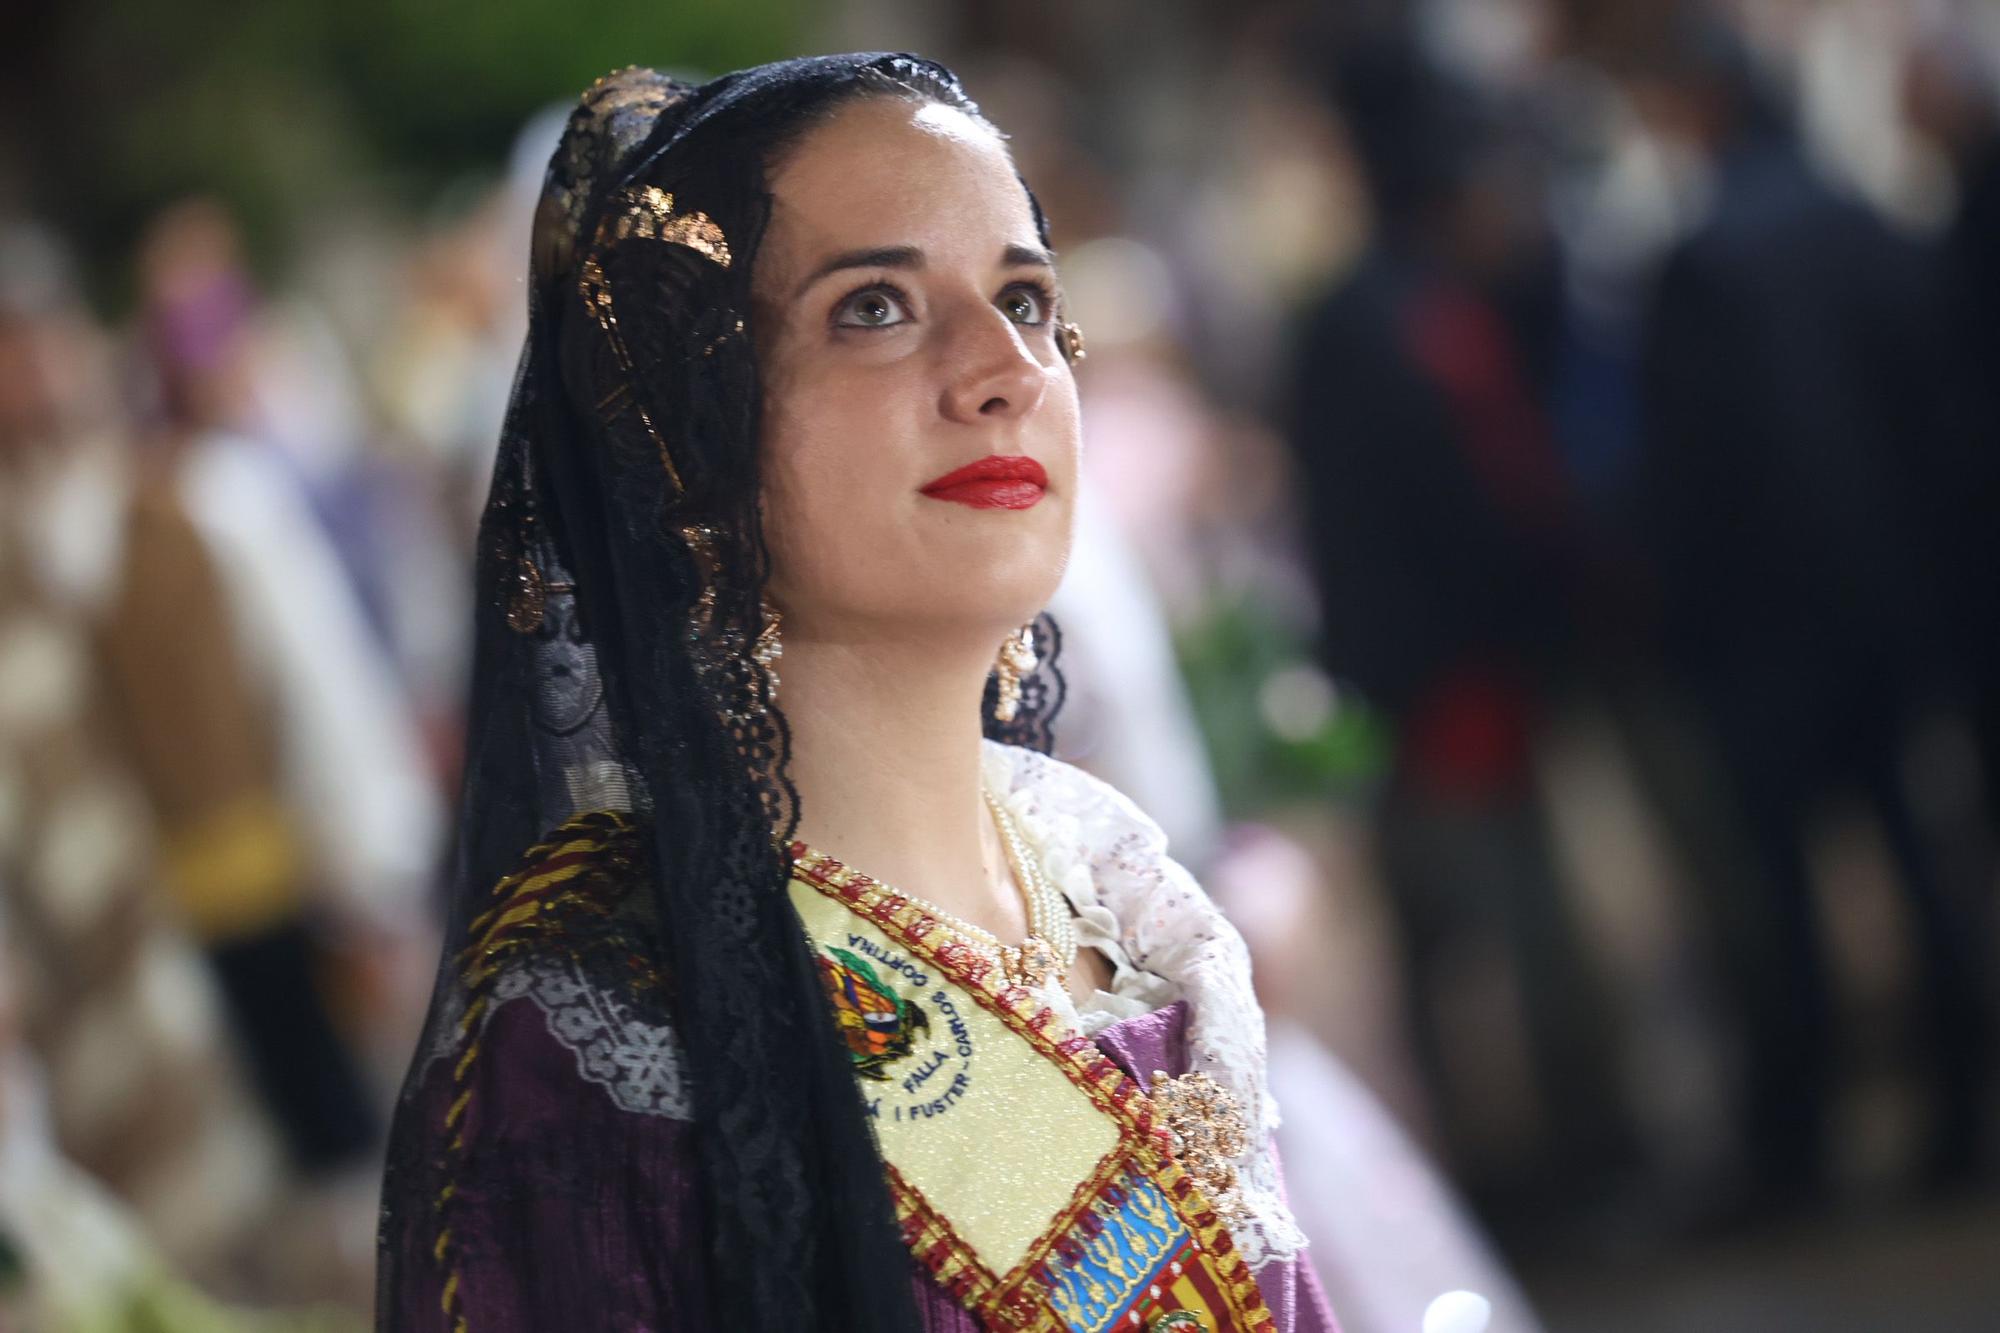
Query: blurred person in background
298, 815
75, 1258
1798, 456
1443, 542
343, 764
1951, 95
439, 373
125, 1060
212, 702
1126, 708
141, 1086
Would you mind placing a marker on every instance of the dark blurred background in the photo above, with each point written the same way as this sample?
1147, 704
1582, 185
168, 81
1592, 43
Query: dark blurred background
1538, 562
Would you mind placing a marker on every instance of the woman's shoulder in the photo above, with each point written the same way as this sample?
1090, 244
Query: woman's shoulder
571, 932
555, 1109
576, 893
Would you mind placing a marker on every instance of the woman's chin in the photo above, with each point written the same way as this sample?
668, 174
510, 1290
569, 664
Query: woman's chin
1008, 587
1020, 550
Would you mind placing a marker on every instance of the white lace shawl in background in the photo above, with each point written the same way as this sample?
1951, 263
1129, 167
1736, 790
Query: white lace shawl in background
1166, 940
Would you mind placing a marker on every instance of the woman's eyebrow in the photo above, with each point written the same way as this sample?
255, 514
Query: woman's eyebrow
910, 257
888, 256
1016, 256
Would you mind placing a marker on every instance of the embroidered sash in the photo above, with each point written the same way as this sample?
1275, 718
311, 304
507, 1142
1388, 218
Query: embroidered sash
1030, 1174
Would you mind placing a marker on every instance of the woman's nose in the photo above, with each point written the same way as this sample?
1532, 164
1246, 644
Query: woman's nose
995, 375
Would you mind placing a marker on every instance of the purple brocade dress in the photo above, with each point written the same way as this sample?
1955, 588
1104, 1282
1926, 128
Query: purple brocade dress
535, 1249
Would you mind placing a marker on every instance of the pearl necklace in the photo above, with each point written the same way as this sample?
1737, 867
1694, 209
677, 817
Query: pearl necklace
1050, 949
1050, 925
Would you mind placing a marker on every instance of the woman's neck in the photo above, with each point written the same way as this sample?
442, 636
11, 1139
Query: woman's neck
886, 759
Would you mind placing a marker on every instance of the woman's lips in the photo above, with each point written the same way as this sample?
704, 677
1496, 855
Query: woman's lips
997, 481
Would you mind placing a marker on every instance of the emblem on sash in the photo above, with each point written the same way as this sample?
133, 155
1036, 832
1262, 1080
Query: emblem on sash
879, 1025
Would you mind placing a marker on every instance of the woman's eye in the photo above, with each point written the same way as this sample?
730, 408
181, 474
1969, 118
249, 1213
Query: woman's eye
1025, 305
874, 308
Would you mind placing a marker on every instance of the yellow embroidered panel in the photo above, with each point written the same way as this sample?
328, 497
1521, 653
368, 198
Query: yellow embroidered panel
994, 1136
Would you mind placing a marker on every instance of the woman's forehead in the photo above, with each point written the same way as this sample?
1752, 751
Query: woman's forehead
891, 171
863, 127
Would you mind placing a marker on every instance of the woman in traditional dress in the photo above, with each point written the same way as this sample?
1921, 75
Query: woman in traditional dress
787, 476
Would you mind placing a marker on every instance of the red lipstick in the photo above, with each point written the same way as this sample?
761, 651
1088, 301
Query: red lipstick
997, 481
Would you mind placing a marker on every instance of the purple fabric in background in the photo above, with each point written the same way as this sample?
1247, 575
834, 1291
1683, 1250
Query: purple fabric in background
567, 1212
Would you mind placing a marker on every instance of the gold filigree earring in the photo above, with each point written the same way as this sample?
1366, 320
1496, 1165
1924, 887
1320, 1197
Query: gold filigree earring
1071, 339
1016, 661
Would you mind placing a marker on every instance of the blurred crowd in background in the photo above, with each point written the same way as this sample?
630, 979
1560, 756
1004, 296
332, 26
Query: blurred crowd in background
1538, 561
